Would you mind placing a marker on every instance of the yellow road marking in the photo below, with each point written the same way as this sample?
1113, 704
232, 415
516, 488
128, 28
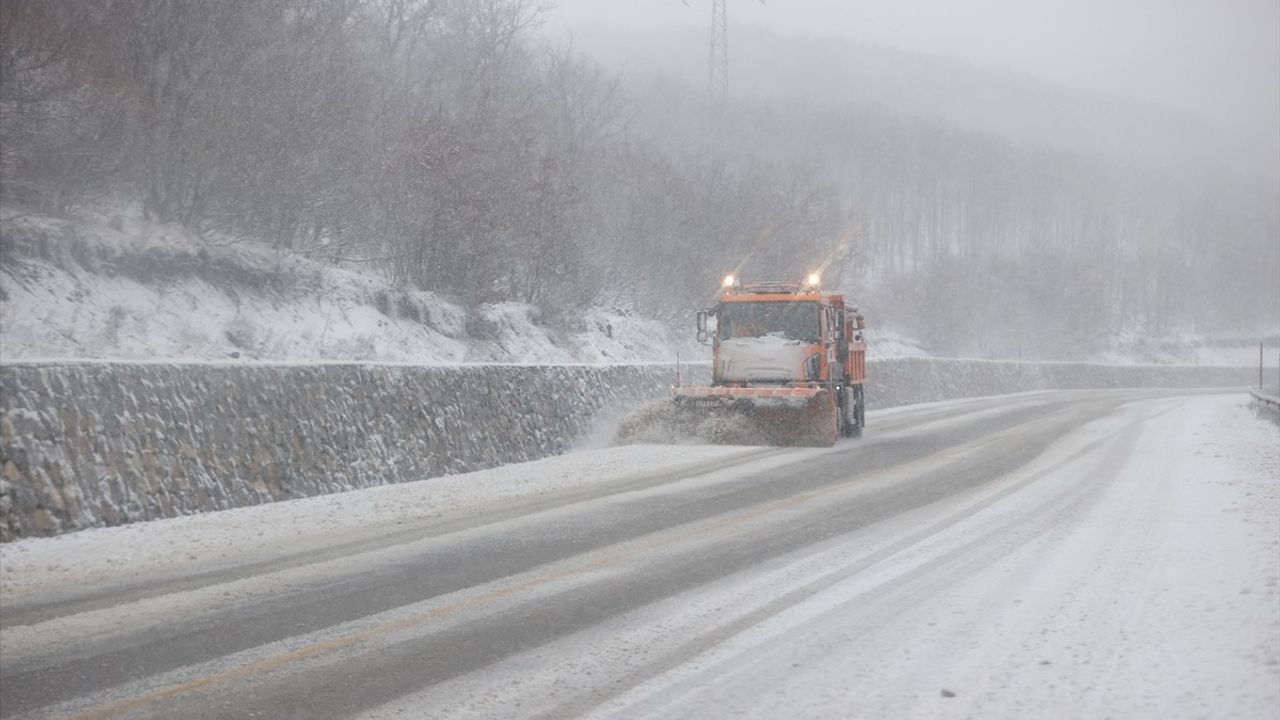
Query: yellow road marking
271, 663
303, 653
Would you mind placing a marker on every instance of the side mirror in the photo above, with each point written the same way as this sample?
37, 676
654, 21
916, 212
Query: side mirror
704, 336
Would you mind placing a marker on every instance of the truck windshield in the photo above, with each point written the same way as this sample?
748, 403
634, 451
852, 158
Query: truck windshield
791, 320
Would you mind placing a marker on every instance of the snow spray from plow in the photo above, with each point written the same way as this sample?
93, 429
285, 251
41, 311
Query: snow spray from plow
723, 419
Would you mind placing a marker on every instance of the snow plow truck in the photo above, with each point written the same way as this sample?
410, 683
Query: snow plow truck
786, 358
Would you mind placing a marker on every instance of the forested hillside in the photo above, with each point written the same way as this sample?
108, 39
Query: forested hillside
454, 148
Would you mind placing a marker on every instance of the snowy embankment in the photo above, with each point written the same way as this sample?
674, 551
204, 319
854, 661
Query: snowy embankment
124, 288
110, 285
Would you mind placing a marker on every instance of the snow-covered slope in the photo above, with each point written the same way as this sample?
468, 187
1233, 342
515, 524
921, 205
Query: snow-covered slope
112, 285
1191, 349
109, 284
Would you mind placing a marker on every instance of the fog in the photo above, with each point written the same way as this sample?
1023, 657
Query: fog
994, 178
1216, 60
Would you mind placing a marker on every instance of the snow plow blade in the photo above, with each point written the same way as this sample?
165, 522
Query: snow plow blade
780, 416
737, 416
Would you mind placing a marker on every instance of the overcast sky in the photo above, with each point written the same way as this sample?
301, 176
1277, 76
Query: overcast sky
1217, 58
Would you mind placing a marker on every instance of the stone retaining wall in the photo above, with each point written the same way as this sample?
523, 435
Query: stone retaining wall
904, 381
91, 444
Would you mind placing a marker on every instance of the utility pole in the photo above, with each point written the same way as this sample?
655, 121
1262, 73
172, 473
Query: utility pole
718, 63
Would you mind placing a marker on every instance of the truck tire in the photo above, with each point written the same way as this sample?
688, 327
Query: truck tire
850, 412
858, 412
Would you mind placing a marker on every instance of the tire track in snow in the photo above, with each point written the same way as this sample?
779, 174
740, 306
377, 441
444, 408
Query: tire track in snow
817, 471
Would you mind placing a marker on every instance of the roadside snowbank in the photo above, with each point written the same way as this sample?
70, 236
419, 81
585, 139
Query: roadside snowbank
195, 544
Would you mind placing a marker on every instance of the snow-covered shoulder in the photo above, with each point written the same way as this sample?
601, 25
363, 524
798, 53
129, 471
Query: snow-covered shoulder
190, 545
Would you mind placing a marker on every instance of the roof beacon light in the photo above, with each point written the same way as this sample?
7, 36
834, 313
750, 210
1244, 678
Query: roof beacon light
814, 279
728, 281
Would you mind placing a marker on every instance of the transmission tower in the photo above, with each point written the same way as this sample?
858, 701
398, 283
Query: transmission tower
718, 64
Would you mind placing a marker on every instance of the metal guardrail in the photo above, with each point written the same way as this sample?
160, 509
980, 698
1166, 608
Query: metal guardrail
1266, 400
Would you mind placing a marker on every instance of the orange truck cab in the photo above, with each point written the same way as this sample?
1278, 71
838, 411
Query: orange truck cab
793, 355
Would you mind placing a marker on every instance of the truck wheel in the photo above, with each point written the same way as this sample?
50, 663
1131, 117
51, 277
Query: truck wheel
849, 426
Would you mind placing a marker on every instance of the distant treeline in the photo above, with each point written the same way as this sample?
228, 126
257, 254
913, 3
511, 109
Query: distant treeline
445, 142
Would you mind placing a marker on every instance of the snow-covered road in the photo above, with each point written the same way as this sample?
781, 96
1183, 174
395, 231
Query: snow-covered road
1056, 554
